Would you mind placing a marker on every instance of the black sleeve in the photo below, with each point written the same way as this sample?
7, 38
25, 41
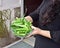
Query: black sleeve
55, 35
40, 10
35, 14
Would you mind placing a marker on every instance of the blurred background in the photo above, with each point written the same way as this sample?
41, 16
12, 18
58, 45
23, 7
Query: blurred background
9, 10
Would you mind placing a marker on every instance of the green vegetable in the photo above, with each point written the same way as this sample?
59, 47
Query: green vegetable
21, 27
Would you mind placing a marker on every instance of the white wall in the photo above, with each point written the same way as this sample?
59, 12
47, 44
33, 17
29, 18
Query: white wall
0, 2
10, 4
6, 4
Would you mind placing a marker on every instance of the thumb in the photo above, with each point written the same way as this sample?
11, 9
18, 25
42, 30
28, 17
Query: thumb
33, 27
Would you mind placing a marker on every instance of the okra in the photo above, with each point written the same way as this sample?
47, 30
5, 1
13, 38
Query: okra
21, 27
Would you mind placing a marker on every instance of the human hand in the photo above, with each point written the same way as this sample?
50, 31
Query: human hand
39, 31
34, 32
28, 18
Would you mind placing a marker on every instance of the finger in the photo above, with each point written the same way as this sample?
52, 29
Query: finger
33, 27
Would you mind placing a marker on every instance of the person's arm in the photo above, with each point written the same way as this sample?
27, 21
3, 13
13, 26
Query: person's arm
39, 31
54, 35
45, 33
39, 11
34, 16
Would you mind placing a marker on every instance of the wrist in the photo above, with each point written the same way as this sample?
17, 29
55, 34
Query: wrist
41, 32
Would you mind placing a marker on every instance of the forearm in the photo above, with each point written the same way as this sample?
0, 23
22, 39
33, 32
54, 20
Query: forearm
45, 33
39, 31
55, 36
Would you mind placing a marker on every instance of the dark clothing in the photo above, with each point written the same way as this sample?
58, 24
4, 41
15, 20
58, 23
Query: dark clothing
53, 27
